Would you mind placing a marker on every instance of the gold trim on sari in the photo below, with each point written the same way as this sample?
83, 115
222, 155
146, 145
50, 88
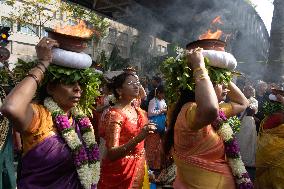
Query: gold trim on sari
270, 158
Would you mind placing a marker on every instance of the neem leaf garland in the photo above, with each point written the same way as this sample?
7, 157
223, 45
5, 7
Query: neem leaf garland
179, 76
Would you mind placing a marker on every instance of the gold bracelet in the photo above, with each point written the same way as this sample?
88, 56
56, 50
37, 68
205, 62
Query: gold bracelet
35, 70
201, 78
35, 78
201, 75
199, 69
41, 70
40, 63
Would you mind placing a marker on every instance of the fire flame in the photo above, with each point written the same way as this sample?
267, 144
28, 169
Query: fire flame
213, 35
217, 20
79, 30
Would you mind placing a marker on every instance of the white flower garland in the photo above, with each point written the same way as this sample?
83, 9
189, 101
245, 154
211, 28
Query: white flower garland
88, 171
232, 152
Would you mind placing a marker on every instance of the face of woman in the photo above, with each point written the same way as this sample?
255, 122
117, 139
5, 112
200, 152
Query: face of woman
130, 87
66, 96
221, 92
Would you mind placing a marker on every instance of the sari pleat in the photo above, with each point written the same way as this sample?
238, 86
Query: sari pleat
199, 155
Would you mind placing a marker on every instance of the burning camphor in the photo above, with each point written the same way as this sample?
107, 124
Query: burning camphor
214, 35
80, 30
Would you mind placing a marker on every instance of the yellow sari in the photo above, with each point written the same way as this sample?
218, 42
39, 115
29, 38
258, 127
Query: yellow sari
200, 155
270, 158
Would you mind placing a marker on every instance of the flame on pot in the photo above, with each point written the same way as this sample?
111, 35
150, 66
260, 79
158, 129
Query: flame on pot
79, 30
217, 20
213, 35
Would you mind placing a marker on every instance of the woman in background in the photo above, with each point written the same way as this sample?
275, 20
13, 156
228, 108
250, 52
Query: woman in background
123, 129
270, 142
154, 142
247, 135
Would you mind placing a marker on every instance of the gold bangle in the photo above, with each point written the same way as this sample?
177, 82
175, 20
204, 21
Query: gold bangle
201, 75
201, 78
199, 69
42, 65
35, 78
41, 70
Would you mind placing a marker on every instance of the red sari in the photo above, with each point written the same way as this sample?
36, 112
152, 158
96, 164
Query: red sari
117, 129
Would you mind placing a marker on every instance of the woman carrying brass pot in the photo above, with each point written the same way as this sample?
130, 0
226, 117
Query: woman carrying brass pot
59, 149
197, 129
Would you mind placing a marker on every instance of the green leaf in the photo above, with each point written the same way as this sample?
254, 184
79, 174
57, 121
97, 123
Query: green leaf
178, 75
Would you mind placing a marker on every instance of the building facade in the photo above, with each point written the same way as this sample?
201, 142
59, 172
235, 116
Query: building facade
275, 66
24, 37
250, 43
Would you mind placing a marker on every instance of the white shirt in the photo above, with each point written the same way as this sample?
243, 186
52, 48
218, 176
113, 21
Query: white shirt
156, 106
253, 103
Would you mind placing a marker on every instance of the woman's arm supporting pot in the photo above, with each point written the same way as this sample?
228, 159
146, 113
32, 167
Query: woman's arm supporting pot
205, 97
17, 105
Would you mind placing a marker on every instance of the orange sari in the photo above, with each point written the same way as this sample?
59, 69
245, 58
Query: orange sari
117, 129
200, 155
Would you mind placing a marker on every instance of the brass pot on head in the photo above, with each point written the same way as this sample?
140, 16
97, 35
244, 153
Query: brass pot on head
68, 42
207, 44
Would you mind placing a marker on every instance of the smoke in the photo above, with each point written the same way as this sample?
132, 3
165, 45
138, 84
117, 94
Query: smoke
182, 21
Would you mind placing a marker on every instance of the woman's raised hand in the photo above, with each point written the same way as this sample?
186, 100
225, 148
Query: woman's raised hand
195, 58
43, 50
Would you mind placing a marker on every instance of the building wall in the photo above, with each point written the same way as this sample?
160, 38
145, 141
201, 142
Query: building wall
275, 66
250, 43
23, 40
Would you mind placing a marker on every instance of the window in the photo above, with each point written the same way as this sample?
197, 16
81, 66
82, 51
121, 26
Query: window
72, 22
112, 33
6, 22
29, 29
135, 38
44, 33
163, 49
58, 15
159, 48
109, 47
123, 36
122, 51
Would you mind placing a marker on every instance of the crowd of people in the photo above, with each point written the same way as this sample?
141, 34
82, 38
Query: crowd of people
135, 139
